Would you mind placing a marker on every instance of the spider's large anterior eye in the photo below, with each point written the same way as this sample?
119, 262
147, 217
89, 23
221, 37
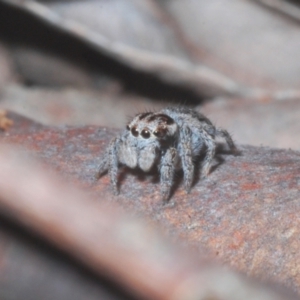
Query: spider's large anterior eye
134, 131
145, 134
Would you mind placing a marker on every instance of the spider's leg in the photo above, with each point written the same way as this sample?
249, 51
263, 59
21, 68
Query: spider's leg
113, 162
186, 155
167, 169
103, 166
224, 134
210, 152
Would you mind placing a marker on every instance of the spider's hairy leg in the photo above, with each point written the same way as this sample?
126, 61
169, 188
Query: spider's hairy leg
167, 169
210, 152
186, 156
224, 134
103, 166
113, 162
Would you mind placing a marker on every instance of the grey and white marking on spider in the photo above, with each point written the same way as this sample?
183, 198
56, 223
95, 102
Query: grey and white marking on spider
170, 139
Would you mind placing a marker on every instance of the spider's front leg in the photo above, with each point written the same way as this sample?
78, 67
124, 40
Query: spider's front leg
110, 163
167, 170
186, 156
210, 152
113, 164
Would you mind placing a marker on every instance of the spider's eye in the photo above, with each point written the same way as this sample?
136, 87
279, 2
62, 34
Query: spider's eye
127, 127
159, 133
145, 134
134, 131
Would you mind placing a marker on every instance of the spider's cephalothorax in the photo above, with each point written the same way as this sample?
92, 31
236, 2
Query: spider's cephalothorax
171, 139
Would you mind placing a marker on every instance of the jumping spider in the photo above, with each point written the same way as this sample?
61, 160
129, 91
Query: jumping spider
171, 139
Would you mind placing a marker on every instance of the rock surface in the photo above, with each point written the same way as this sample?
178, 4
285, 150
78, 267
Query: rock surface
244, 214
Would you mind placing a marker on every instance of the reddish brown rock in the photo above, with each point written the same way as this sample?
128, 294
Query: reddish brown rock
233, 218
245, 213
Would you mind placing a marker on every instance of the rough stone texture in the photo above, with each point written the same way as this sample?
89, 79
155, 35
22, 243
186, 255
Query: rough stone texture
101, 237
245, 213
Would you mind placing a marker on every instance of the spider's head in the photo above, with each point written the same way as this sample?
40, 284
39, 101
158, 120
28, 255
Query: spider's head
152, 126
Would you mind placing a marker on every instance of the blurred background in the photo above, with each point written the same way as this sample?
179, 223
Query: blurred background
102, 61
